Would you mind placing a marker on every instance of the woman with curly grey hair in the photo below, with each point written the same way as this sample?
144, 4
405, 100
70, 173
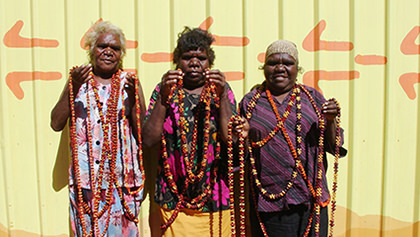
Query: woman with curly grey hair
105, 106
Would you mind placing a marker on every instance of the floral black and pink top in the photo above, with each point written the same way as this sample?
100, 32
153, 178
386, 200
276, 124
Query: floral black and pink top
219, 199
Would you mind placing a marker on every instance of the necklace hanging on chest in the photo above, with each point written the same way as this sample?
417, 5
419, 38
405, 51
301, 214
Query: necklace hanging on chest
195, 172
109, 124
295, 98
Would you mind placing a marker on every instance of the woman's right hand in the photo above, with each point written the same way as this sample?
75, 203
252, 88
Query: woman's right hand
79, 76
168, 80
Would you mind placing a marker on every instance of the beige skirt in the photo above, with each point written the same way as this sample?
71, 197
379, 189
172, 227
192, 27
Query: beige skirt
195, 223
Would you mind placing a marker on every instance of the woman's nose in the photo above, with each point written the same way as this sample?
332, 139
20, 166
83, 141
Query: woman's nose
194, 61
279, 67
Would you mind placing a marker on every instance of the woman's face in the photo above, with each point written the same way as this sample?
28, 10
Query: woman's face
280, 71
193, 63
107, 54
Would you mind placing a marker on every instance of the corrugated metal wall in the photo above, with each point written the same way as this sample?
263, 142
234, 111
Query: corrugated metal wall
364, 53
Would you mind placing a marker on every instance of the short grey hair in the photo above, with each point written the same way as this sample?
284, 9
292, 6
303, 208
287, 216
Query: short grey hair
104, 27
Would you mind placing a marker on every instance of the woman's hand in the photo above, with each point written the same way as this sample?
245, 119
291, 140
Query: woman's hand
330, 110
219, 80
168, 80
240, 125
79, 76
130, 88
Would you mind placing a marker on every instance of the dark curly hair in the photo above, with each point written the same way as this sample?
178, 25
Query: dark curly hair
193, 39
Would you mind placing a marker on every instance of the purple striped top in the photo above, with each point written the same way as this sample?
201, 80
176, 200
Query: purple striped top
275, 162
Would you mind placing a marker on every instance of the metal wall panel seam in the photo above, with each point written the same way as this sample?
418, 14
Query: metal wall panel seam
351, 125
34, 121
385, 107
3, 131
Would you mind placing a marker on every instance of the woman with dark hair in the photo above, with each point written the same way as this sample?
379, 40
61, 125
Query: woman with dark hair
188, 115
105, 106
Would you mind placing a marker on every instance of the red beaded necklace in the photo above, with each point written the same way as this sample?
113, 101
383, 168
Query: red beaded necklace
241, 179
109, 123
75, 162
296, 152
208, 92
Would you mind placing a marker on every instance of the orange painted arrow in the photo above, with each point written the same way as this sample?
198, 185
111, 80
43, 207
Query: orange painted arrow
313, 42
156, 57
13, 39
370, 59
224, 40
130, 44
234, 76
312, 78
13, 80
408, 44
407, 82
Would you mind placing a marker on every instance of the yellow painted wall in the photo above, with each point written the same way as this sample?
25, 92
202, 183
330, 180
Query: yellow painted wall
365, 53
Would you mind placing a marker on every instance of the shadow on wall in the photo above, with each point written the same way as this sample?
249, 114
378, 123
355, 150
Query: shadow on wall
150, 159
60, 173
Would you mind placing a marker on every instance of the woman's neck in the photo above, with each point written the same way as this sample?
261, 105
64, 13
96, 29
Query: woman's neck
103, 78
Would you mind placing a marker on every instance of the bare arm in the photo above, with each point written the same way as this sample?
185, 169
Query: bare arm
61, 111
153, 126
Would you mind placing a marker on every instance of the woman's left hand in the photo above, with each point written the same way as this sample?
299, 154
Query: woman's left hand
218, 78
330, 110
240, 125
130, 88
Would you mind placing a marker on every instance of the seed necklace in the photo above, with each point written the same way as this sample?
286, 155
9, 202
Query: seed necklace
109, 124
208, 92
296, 152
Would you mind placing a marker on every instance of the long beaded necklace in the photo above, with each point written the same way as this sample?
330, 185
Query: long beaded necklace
208, 92
75, 162
241, 180
109, 152
296, 152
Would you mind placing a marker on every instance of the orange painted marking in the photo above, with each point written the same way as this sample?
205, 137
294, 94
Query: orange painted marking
234, 76
313, 42
156, 57
370, 59
231, 41
407, 82
408, 45
261, 57
13, 80
130, 44
205, 25
312, 78
13, 39
224, 40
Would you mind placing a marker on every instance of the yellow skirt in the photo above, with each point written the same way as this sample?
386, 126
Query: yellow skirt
196, 223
